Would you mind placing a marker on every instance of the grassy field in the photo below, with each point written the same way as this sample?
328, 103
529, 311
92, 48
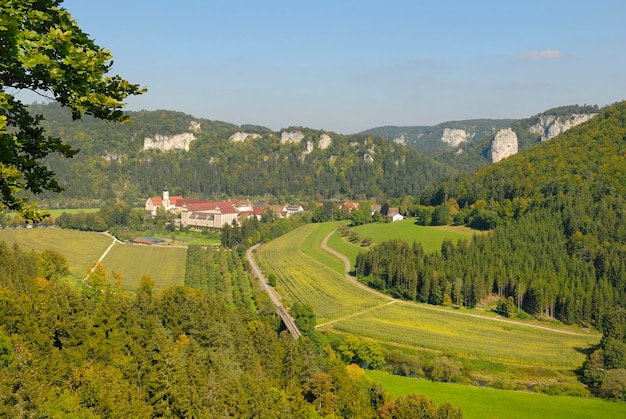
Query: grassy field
81, 249
424, 326
479, 402
303, 278
431, 238
54, 213
407, 230
166, 265
311, 247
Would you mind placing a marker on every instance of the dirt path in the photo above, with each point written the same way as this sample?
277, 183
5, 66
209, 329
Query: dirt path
349, 276
93, 268
353, 279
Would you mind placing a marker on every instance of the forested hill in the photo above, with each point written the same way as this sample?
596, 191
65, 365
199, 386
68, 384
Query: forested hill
428, 139
558, 214
226, 160
590, 157
465, 145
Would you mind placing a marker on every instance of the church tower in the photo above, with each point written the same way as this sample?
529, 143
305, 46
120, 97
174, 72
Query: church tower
166, 199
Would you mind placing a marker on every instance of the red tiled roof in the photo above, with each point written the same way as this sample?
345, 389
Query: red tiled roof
225, 207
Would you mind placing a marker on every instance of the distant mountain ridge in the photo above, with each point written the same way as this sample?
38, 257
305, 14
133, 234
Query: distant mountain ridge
428, 139
466, 145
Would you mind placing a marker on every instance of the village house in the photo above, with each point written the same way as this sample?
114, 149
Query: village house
349, 206
394, 214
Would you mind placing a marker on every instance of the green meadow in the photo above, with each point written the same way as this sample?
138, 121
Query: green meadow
54, 213
477, 402
431, 238
407, 230
490, 348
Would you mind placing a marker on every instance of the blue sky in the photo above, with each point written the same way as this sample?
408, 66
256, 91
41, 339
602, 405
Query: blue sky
347, 66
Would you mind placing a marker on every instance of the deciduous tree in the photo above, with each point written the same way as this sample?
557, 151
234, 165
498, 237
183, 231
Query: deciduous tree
43, 50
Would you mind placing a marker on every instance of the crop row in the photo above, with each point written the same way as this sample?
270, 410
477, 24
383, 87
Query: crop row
220, 274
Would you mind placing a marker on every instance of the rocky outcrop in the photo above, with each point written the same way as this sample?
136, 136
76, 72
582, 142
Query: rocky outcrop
549, 126
309, 150
400, 140
291, 137
169, 142
503, 145
240, 137
112, 157
194, 126
325, 141
454, 137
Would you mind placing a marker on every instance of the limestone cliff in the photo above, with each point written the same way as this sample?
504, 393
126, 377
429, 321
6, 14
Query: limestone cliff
454, 137
550, 126
169, 142
503, 145
172, 142
400, 139
291, 137
240, 137
325, 141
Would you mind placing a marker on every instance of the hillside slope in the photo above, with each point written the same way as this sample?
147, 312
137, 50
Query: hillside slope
557, 213
465, 145
217, 159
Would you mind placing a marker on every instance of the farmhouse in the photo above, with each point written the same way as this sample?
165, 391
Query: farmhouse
394, 214
349, 206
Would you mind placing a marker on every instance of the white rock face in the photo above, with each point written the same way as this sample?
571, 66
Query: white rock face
368, 158
504, 144
309, 149
112, 157
454, 137
194, 126
549, 126
400, 140
325, 141
291, 137
167, 143
240, 137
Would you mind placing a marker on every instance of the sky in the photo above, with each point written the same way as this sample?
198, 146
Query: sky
347, 66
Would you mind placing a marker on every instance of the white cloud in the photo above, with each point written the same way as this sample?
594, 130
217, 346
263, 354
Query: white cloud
540, 55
